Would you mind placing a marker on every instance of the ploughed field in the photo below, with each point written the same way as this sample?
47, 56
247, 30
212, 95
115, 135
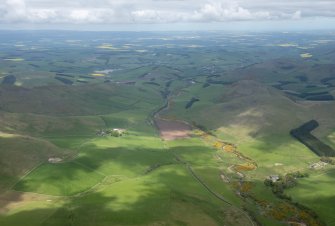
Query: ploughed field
171, 130
101, 128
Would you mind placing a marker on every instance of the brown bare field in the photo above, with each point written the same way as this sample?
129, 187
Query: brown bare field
171, 130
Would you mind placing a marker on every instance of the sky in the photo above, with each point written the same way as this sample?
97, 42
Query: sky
167, 14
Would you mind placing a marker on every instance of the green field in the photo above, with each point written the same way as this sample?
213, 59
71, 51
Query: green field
316, 192
59, 179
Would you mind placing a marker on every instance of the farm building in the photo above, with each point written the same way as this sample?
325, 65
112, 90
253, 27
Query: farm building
55, 160
274, 178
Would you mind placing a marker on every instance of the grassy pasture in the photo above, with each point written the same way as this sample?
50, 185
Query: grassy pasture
129, 156
60, 179
162, 190
277, 155
155, 198
129, 159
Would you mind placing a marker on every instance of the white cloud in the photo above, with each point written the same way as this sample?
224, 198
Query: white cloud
146, 15
223, 11
297, 15
159, 11
15, 10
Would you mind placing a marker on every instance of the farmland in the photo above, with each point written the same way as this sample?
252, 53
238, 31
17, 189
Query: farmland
150, 128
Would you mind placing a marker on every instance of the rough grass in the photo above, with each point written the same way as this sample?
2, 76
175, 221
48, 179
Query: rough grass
74, 101
20, 154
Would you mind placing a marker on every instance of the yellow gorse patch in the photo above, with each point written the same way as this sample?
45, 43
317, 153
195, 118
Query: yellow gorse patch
287, 45
97, 74
14, 59
306, 55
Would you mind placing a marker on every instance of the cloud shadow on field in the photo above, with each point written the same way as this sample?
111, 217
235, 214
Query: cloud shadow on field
146, 199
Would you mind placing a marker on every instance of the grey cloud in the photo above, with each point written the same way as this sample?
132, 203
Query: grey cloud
159, 11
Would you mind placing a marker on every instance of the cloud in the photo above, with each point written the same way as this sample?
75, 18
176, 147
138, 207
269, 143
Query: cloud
296, 15
227, 11
159, 11
15, 10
